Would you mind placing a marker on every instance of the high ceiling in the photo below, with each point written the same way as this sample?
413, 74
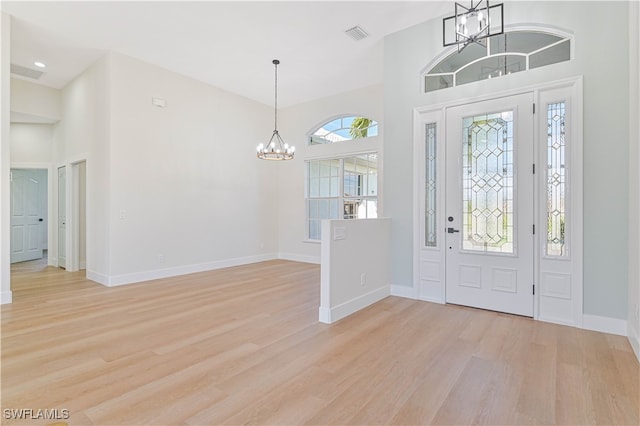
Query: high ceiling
226, 44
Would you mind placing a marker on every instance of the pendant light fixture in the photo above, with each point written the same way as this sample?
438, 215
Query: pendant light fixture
473, 24
276, 149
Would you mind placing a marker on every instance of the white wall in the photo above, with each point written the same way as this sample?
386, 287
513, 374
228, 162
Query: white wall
601, 57
5, 157
633, 316
187, 191
34, 102
83, 133
296, 123
355, 266
31, 143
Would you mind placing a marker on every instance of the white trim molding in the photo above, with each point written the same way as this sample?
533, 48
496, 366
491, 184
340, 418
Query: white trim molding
604, 324
634, 340
330, 315
300, 258
403, 291
136, 277
6, 297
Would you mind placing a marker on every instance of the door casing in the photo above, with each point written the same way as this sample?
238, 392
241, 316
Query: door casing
429, 262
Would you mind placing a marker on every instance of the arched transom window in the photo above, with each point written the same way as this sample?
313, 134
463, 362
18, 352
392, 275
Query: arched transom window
507, 53
344, 129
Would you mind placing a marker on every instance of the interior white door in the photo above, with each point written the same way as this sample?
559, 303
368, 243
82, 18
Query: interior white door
62, 217
489, 205
26, 218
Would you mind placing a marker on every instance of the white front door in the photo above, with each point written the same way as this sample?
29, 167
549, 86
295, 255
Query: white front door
62, 217
489, 205
26, 216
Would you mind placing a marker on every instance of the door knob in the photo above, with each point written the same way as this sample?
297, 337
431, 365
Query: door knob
451, 230
40, 220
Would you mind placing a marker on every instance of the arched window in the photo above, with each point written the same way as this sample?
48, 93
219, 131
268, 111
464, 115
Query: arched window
343, 129
511, 52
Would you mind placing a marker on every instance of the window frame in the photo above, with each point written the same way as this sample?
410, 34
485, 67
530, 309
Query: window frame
341, 198
341, 117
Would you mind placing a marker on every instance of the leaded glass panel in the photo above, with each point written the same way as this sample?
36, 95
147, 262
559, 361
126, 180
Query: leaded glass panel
488, 182
430, 186
556, 180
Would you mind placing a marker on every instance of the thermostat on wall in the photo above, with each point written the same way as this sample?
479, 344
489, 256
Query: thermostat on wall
339, 233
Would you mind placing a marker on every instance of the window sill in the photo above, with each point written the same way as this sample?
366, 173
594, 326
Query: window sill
311, 241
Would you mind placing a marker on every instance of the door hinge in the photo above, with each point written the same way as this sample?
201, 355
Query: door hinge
534, 168
534, 229
534, 108
534, 289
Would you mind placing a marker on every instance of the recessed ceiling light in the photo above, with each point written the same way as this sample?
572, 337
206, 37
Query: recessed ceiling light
40, 64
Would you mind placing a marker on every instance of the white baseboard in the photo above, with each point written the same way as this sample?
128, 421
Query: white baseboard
99, 278
605, 324
403, 291
560, 321
6, 297
299, 258
136, 277
331, 315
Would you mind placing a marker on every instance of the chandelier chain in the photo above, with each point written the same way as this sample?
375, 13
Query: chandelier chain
275, 123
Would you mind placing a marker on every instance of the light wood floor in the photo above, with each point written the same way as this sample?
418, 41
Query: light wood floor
243, 345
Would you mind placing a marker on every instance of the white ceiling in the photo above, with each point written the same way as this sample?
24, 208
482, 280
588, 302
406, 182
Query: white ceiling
227, 44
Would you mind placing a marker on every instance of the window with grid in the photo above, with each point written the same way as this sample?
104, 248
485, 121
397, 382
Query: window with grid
341, 188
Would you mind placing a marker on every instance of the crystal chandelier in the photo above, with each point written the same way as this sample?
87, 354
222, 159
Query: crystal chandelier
275, 149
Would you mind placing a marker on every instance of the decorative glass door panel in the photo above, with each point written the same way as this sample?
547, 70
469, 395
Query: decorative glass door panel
487, 183
489, 205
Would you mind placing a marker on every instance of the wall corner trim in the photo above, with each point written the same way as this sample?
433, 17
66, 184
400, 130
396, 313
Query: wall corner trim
6, 297
634, 340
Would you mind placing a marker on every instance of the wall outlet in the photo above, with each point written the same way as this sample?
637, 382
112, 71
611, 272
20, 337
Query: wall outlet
161, 258
363, 279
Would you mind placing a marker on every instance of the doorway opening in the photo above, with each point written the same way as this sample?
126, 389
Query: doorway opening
72, 216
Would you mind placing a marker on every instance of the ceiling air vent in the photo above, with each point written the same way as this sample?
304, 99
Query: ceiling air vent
356, 33
25, 72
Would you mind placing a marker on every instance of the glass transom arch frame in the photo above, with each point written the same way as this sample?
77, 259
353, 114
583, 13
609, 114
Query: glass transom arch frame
508, 53
344, 128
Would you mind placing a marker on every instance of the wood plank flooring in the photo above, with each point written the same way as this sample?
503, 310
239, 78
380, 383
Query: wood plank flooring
243, 346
